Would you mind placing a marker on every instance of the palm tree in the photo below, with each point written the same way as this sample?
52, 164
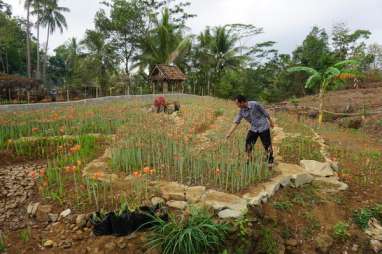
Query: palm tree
326, 78
52, 18
38, 10
101, 55
163, 45
27, 6
216, 53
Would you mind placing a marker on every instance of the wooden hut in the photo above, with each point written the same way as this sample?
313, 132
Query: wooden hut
167, 77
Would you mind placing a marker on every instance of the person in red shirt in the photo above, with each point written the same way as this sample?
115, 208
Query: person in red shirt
160, 104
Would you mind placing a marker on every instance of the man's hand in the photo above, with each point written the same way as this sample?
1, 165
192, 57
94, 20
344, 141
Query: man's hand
233, 128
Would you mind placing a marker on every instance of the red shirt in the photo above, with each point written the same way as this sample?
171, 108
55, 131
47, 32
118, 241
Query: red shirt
160, 101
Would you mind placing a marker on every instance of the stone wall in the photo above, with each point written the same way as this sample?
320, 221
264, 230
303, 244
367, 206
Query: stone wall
52, 105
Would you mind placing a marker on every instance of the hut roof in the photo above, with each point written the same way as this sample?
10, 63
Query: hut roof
167, 72
11, 81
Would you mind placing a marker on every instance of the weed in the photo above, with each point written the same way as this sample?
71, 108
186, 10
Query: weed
294, 149
312, 225
340, 231
3, 246
219, 112
267, 243
193, 234
283, 205
362, 216
25, 235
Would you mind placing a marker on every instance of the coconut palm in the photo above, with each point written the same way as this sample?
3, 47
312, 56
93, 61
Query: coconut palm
163, 45
52, 19
38, 11
327, 78
27, 6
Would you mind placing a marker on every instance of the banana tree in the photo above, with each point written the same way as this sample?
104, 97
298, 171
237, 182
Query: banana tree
327, 78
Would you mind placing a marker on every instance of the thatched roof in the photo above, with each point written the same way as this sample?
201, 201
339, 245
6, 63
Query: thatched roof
163, 72
16, 82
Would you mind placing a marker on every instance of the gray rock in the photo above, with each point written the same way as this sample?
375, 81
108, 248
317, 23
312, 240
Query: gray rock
48, 244
194, 194
32, 208
376, 245
221, 200
81, 220
300, 179
53, 217
316, 168
177, 204
229, 213
43, 212
157, 201
65, 213
173, 191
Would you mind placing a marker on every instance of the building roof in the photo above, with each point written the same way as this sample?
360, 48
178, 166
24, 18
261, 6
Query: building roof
11, 81
163, 72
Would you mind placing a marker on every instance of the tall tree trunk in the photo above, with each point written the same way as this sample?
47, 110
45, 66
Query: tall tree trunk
321, 107
29, 66
38, 74
45, 56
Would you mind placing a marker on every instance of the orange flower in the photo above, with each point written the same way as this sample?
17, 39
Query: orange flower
70, 169
146, 170
75, 148
42, 172
98, 175
152, 171
136, 174
34, 129
62, 129
32, 174
217, 171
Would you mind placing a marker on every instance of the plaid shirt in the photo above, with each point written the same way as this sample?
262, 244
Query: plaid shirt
256, 115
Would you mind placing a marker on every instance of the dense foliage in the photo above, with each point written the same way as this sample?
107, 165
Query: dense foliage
131, 36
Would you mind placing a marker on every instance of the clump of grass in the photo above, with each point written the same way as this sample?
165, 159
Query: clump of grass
25, 235
294, 149
340, 231
3, 245
267, 243
312, 225
283, 205
362, 216
193, 234
219, 112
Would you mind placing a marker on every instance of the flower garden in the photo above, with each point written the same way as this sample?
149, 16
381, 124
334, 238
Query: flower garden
188, 148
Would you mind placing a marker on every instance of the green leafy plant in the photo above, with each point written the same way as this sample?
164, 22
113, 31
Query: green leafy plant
329, 77
312, 224
192, 234
340, 231
25, 235
283, 205
3, 246
267, 243
362, 216
219, 112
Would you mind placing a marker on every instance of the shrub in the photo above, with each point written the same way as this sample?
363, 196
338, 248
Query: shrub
193, 234
340, 231
283, 205
267, 243
362, 216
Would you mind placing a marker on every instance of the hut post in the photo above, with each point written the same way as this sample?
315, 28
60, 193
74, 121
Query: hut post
9, 95
165, 86
28, 96
67, 94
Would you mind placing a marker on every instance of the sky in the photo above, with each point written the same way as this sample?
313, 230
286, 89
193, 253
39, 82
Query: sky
286, 22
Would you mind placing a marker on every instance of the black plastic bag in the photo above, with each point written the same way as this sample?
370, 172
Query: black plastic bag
101, 224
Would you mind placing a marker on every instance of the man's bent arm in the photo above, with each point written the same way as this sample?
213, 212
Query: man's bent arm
231, 130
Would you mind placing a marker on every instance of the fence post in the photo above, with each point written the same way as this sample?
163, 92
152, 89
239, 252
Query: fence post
28, 96
67, 95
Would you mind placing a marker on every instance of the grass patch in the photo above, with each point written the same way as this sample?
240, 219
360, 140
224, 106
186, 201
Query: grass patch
193, 234
294, 149
267, 243
283, 205
312, 225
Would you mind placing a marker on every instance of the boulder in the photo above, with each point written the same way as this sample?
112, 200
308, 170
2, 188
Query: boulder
221, 200
194, 194
48, 244
42, 213
173, 191
316, 168
181, 205
157, 201
300, 179
229, 213
65, 213
53, 217
81, 220
32, 209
